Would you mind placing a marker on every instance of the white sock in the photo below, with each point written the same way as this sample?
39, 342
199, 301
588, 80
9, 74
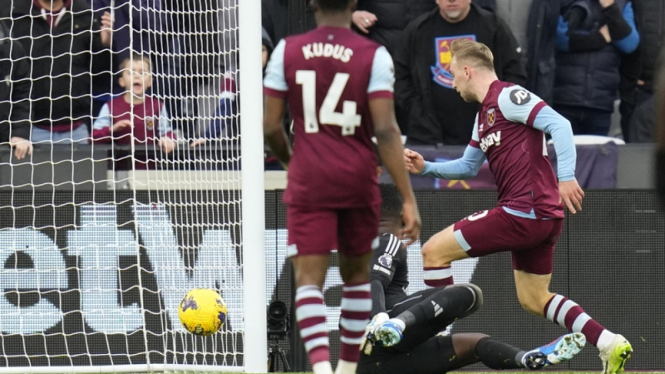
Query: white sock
605, 340
346, 367
322, 367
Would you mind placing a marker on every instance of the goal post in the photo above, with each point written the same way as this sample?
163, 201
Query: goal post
253, 197
100, 240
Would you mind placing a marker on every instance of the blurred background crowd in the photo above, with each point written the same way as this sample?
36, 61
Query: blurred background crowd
164, 72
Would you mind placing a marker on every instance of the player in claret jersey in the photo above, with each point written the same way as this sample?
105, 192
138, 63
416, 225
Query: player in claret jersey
510, 133
423, 314
339, 87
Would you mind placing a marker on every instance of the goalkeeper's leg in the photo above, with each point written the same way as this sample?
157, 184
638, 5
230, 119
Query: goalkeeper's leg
427, 318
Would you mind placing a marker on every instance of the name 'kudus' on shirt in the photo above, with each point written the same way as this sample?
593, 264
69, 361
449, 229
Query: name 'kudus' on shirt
338, 52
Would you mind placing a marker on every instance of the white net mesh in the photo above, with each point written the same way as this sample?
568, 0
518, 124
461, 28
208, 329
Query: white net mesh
131, 195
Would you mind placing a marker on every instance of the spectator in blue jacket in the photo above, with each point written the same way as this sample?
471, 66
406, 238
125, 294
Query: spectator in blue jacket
534, 24
588, 60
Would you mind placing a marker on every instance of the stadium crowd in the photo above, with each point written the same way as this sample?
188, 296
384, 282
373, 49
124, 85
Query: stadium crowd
589, 59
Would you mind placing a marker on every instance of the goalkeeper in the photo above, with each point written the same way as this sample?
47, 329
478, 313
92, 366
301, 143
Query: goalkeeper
422, 315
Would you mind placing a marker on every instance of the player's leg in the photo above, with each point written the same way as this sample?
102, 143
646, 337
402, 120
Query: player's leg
438, 253
532, 279
534, 295
312, 234
442, 354
309, 271
426, 318
477, 235
357, 235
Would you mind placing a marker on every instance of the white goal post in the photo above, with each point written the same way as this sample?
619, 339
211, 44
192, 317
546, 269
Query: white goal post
100, 240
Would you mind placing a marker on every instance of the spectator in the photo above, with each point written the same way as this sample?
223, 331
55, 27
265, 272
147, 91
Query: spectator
423, 88
134, 116
224, 124
14, 96
642, 125
638, 69
267, 47
660, 132
142, 34
61, 37
384, 21
200, 41
587, 75
138, 28
534, 24
276, 18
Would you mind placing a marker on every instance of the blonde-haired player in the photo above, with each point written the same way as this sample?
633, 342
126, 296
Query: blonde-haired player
509, 133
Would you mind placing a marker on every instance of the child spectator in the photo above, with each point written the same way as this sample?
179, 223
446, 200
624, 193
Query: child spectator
135, 116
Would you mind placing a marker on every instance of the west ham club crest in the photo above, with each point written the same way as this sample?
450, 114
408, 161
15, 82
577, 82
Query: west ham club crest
491, 117
443, 57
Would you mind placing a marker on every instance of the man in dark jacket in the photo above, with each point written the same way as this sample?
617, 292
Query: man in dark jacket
660, 134
423, 87
638, 70
588, 60
277, 14
14, 96
61, 36
138, 25
534, 24
385, 21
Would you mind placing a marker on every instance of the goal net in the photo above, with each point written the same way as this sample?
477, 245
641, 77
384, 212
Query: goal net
133, 192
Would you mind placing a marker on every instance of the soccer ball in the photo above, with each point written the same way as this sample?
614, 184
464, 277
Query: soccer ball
202, 311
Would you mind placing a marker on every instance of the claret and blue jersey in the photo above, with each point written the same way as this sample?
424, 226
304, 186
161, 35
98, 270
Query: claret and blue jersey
509, 133
328, 77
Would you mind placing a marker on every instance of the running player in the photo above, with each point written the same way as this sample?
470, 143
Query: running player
339, 86
422, 315
510, 133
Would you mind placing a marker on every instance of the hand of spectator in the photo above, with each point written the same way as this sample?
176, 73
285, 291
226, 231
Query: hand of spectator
575, 17
121, 125
197, 142
363, 20
415, 163
606, 3
605, 32
571, 193
22, 147
107, 29
166, 144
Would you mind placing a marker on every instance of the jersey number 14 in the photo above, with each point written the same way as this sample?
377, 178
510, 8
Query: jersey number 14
348, 119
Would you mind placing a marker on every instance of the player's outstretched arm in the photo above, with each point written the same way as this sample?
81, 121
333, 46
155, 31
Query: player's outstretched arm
463, 168
389, 142
273, 131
